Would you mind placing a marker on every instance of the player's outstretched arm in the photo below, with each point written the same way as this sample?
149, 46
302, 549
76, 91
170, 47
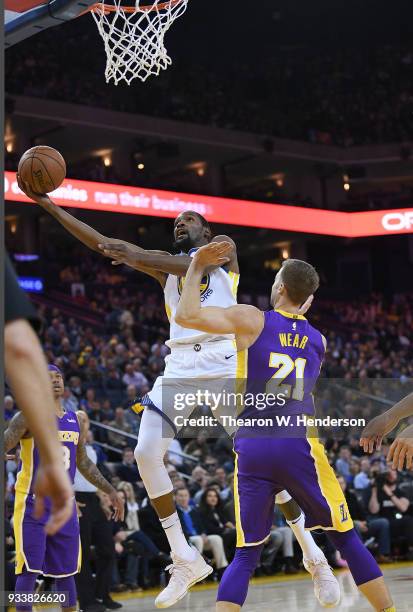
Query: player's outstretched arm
136, 257
238, 320
92, 473
83, 232
383, 424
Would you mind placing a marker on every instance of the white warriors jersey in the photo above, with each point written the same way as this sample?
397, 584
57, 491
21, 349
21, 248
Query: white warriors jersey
219, 288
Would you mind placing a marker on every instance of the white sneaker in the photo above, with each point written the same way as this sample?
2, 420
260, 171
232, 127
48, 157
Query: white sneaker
184, 574
326, 587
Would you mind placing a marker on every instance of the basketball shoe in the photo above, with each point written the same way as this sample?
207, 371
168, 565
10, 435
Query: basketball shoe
184, 574
326, 587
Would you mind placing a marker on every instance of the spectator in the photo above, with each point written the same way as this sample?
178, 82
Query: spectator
216, 521
134, 542
128, 470
388, 501
367, 526
119, 422
200, 444
343, 463
362, 479
9, 408
195, 533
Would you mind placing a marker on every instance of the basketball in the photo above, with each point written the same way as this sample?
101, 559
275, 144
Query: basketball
43, 168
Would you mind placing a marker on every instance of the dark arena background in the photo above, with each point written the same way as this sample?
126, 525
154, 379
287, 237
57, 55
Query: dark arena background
289, 126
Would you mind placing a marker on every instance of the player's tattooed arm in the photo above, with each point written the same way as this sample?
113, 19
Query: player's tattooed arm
15, 431
92, 473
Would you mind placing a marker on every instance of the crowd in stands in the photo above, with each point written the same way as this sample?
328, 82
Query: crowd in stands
370, 356
348, 96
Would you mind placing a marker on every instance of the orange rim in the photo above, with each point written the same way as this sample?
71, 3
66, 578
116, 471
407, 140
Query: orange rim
132, 9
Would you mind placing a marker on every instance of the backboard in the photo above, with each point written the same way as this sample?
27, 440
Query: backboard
24, 18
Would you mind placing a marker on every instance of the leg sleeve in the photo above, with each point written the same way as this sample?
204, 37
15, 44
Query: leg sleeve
150, 452
234, 583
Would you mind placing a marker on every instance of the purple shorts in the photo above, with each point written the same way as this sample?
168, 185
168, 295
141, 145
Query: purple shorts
266, 466
56, 556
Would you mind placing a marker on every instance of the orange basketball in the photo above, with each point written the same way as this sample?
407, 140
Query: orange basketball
43, 168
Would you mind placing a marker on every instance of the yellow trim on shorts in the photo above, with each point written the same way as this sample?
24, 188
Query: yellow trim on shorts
18, 516
78, 566
23, 482
330, 488
25, 475
237, 507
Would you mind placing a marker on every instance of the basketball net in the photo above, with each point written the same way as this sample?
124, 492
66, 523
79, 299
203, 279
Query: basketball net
134, 37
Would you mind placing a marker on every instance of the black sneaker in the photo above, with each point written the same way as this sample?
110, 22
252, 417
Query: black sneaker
111, 604
94, 607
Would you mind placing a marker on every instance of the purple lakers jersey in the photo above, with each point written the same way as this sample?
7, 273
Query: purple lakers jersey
284, 361
69, 433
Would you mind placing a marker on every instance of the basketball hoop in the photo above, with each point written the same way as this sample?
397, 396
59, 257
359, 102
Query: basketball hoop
134, 37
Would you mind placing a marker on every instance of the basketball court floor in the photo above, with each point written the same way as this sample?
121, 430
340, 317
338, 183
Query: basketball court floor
287, 594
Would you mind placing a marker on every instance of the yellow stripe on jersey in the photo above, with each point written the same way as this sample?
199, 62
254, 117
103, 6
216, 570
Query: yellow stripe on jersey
241, 376
237, 507
234, 276
168, 312
24, 477
329, 485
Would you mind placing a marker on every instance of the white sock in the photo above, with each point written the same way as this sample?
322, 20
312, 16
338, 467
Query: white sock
176, 538
310, 549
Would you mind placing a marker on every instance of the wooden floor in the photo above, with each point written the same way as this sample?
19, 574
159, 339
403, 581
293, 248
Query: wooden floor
292, 594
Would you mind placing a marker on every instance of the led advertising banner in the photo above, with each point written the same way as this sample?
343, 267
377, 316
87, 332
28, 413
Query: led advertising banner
157, 203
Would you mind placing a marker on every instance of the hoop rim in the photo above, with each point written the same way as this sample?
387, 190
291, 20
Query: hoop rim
110, 8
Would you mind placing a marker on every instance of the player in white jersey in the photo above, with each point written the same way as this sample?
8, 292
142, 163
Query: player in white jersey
195, 356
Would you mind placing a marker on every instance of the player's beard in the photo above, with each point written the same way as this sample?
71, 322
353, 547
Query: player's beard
184, 244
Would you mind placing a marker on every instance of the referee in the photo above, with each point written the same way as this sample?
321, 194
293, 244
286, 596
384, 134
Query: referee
96, 530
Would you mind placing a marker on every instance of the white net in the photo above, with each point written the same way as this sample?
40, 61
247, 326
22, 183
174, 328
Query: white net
134, 37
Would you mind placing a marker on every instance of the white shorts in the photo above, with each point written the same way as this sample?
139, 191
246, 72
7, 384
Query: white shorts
193, 368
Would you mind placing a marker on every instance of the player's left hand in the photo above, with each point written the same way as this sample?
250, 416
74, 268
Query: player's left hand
119, 253
118, 505
213, 254
401, 451
374, 432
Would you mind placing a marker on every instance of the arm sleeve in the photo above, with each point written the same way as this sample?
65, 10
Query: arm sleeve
17, 305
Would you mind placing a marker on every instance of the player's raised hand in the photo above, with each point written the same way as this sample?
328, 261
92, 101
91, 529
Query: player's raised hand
40, 198
213, 254
119, 253
52, 481
118, 505
401, 451
374, 432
